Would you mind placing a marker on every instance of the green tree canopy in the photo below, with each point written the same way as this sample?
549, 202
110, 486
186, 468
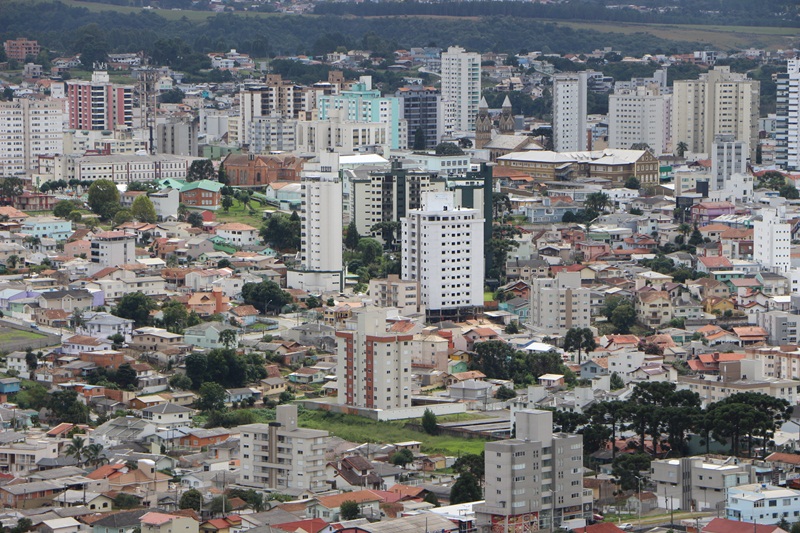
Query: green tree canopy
143, 209
465, 489
135, 306
103, 198
211, 397
402, 457
349, 510
201, 169
447, 148
265, 296
191, 499
429, 423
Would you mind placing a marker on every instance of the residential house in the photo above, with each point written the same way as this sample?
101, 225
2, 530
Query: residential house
66, 300
156, 522
653, 308
202, 194
104, 325
152, 339
118, 522
238, 234
328, 507
209, 303
168, 415
207, 335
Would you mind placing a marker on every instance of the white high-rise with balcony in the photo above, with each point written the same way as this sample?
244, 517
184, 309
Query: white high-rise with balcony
461, 85
640, 115
787, 125
772, 240
29, 128
442, 248
321, 228
569, 112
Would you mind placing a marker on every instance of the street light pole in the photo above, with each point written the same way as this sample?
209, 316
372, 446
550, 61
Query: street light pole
639, 483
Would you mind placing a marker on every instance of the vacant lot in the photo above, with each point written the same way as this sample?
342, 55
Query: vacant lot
8, 335
360, 430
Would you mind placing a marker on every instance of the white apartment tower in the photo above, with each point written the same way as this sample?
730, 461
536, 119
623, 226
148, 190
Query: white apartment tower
787, 125
113, 248
720, 102
569, 112
560, 303
640, 115
461, 85
280, 455
534, 482
442, 248
29, 128
321, 234
772, 240
730, 180
374, 362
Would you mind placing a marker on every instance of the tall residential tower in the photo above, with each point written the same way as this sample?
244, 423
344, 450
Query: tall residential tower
461, 85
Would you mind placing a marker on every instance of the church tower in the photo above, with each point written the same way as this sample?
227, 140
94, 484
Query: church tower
507, 125
483, 125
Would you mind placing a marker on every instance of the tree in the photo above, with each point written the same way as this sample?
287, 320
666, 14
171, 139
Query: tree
228, 338
402, 457
93, 455
23, 526
123, 500
616, 382
201, 169
465, 489
196, 368
512, 328
682, 148
504, 393
789, 192
596, 202
227, 203
76, 448
349, 510
282, 231
195, 219
627, 467
75, 216
122, 216
312, 302
370, 250
125, 377
429, 424
419, 140
351, 237
143, 209
191, 499
696, 238
623, 317
211, 397
12, 261
103, 198
632, 183
180, 381
447, 148
578, 339
64, 406
431, 499
63, 208
473, 463
11, 186
265, 296
135, 306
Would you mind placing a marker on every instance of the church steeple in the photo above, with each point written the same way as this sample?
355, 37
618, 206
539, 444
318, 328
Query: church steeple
507, 125
483, 125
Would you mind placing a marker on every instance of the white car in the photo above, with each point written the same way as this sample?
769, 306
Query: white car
625, 527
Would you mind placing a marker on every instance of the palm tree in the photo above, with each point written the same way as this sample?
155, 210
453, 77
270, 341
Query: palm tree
93, 455
11, 262
76, 448
682, 148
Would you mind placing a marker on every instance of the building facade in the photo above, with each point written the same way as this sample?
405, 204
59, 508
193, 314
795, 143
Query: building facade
640, 115
560, 303
720, 102
569, 112
374, 362
787, 123
534, 481
29, 128
442, 249
461, 85
99, 104
772, 240
281, 455
422, 110
113, 248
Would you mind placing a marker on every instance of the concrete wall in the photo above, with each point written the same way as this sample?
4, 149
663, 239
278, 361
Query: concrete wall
390, 414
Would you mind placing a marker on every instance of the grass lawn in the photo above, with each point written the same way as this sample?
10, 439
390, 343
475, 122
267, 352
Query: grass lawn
239, 213
360, 429
15, 335
488, 296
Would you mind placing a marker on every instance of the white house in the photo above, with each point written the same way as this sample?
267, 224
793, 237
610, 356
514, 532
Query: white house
168, 415
239, 234
104, 325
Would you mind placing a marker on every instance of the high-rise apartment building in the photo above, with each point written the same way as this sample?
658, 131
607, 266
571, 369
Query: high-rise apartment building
535, 481
374, 362
569, 112
730, 179
720, 102
772, 240
271, 134
560, 303
280, 455
29, 128
362, 103
177, 137
422, 110
321, 230
99, 104
461, 85
640, 115
787, 123
388, 196
442, 248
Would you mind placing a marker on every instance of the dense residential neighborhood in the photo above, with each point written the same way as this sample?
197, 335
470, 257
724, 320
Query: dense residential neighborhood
398, 290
